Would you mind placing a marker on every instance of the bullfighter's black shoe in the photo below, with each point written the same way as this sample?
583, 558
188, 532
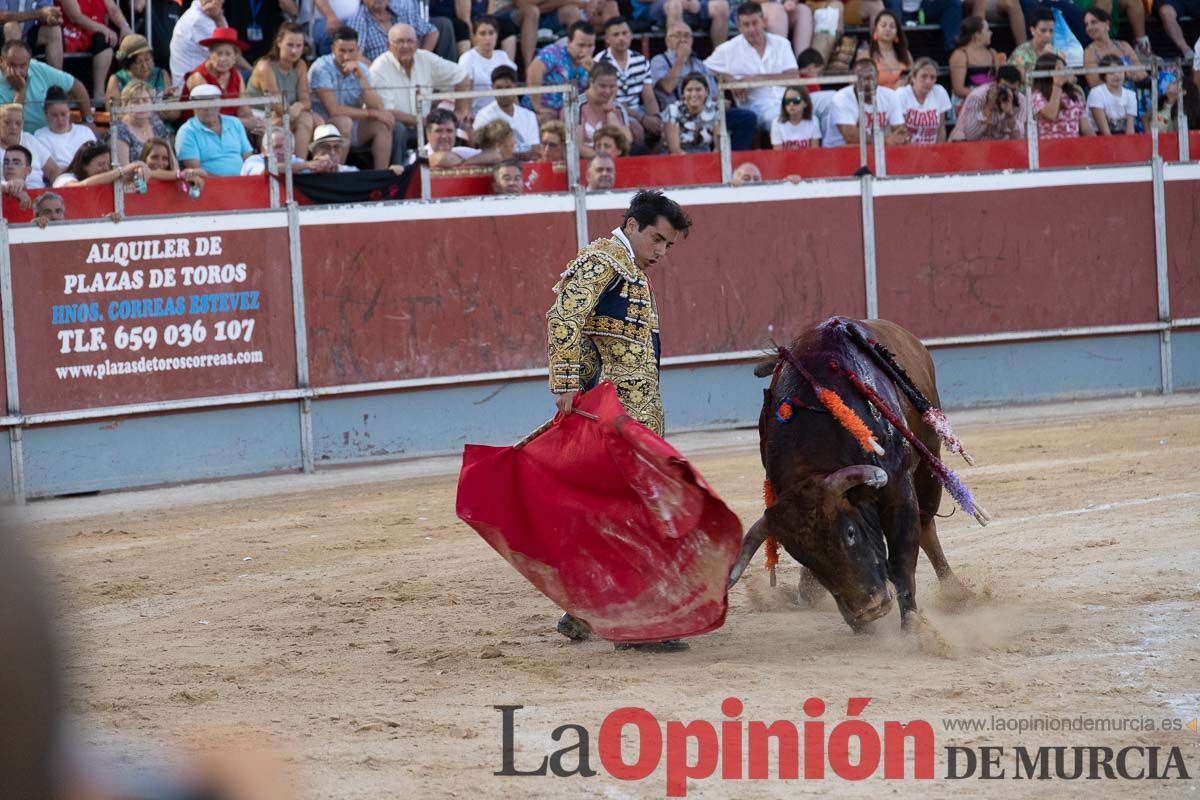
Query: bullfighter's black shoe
574, 629
665, 646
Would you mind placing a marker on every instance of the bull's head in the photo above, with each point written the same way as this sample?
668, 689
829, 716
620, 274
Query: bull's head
830, 525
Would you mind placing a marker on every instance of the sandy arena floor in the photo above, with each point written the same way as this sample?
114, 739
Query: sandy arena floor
351, 616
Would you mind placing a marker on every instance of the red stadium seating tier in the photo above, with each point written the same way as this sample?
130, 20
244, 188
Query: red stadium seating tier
230, 194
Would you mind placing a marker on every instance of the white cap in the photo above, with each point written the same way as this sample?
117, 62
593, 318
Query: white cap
205, 91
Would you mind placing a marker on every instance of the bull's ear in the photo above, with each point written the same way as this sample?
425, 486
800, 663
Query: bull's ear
765, 367
847, 478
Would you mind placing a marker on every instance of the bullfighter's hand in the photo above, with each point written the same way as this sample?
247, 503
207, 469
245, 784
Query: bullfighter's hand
565, 403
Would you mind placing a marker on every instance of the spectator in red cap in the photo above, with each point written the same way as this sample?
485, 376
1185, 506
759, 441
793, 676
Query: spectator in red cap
86, 30
219, 70
193, 27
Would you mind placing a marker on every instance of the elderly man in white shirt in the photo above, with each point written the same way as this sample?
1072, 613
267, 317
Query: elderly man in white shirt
755, 55
404, 68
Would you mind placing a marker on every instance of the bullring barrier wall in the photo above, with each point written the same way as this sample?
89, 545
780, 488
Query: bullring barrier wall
295, 338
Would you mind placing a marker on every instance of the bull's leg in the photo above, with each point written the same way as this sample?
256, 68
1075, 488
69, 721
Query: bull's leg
952, 594
902, 527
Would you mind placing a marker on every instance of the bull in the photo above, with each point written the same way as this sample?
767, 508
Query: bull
854, 521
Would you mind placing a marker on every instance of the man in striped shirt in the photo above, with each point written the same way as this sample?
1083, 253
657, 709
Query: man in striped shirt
635, 90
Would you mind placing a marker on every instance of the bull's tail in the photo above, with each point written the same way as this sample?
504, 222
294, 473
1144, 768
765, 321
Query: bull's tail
887, 362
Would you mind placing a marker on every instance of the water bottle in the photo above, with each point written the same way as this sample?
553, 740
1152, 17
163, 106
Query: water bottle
139, 182
194, 191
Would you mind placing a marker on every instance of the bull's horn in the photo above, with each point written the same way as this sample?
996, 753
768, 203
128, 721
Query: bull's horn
754, 539
847, 478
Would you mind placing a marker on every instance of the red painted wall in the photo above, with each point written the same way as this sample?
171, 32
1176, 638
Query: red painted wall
1020, 260
752, 272
388, 301
1183, 246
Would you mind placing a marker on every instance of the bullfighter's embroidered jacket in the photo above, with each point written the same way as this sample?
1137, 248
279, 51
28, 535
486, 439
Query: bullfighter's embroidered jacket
604, 326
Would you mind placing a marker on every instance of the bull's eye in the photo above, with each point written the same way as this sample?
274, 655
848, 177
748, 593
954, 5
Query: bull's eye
850, 534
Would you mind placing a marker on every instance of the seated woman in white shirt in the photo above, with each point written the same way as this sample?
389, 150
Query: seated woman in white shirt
61, 137
924, 104
795, 127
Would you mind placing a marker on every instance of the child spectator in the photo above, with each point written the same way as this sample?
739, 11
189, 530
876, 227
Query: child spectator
482, 60
282, 71
522, 121
973, 62
693, 123
86, 30
92, 166
795, 128
1165, 117
60, 136
159, 158
1058, 103
889, 49
924, 104
1113, 107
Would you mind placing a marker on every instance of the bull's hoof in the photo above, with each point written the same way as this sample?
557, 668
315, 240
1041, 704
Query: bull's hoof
929, 639
953, 595
574, 629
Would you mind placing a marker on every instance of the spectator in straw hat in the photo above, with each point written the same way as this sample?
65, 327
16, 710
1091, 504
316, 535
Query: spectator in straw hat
136, 58
211, 140
219, 70
329, 146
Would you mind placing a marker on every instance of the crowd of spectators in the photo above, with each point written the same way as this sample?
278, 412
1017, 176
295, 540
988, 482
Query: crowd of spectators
350, 73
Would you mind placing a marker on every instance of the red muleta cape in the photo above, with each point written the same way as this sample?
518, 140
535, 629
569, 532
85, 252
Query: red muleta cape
608, 521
